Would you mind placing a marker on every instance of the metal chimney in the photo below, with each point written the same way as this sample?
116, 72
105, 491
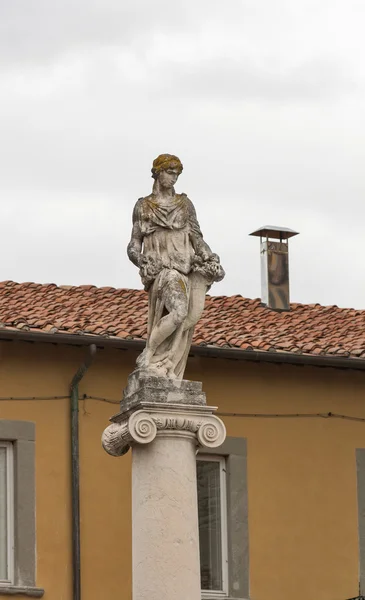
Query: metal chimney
274, 250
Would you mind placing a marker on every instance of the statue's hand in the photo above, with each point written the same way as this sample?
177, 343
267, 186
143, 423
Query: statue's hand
197, 261
149, 267
204, 255
142, 260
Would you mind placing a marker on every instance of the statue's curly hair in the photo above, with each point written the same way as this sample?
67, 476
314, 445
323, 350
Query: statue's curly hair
164, 162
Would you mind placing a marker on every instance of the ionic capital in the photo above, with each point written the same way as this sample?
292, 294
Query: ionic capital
142, 426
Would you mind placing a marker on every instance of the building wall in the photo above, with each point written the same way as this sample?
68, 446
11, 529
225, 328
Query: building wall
302, 485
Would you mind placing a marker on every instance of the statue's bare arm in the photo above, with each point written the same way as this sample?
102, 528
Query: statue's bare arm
200, 246
134, 248
206, 261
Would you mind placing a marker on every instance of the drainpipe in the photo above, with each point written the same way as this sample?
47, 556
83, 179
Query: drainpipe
75, 472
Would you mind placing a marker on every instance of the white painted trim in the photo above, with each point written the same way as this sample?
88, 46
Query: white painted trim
213, 595
10, 510
218, 594
210, 597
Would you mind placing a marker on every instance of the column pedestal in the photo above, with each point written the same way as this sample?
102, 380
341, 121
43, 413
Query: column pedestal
164, 421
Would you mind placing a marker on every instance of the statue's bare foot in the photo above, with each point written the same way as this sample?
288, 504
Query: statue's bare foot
170, 371
167, 367
162, 368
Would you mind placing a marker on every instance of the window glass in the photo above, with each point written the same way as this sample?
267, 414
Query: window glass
210, 523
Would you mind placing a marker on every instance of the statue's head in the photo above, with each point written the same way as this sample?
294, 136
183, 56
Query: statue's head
166, 169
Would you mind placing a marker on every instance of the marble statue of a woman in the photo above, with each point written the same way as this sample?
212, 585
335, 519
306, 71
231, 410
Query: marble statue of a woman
176, 266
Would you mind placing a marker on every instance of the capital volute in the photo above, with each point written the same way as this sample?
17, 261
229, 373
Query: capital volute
142, 427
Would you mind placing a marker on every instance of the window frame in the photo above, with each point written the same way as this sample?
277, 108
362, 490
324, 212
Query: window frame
360, 468
221, 460
21, 434
9, 454
234, 450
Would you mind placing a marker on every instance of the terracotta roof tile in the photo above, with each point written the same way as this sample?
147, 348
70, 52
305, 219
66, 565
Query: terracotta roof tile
234, 322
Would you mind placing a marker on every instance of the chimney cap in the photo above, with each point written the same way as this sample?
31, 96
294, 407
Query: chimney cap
278, 233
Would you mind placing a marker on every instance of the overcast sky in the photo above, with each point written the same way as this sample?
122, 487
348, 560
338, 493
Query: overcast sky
262, 100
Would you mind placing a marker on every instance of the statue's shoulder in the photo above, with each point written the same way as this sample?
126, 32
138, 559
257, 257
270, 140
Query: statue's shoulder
140, 202
187, 202
137, 209
184, 198
145, 200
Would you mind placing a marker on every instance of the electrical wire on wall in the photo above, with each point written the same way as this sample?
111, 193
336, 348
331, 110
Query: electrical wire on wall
27, 398
325, 415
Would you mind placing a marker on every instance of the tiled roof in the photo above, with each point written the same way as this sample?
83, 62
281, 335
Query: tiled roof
227, 321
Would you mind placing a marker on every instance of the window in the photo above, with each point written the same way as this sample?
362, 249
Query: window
6, 513
360, 463
17, 509
223, 521
211, 478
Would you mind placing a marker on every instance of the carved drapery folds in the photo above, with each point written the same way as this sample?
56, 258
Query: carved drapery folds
142, 426
177, 267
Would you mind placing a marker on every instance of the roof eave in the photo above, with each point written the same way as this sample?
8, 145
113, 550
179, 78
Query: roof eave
337, 362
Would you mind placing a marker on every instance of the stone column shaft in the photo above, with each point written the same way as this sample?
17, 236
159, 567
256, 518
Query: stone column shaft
165, 520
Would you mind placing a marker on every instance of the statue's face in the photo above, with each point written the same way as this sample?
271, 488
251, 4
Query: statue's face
168, 178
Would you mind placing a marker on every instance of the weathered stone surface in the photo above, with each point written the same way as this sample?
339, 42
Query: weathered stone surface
153, 405
176, 266
15, 590
143, 387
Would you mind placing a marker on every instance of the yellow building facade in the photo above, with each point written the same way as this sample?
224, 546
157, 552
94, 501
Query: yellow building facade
302, 482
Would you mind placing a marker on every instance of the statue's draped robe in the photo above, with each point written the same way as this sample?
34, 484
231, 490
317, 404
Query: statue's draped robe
171, 239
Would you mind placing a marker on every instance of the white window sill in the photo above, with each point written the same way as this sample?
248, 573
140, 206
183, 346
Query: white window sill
205, 597
16, 590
